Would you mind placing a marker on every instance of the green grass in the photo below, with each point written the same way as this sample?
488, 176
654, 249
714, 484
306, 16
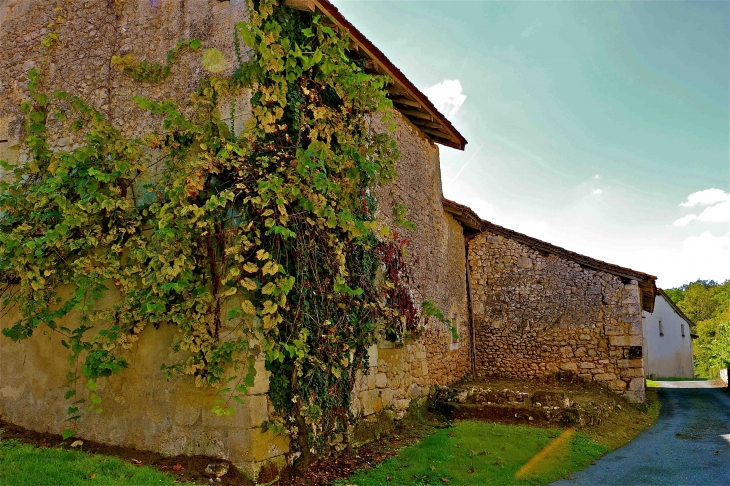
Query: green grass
482, 453
682, 379
655, 383
23, 464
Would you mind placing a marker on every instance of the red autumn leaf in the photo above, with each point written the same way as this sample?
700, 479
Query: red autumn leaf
177, 467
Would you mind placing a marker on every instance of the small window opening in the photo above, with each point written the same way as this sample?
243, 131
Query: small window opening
682, 329
454, 343
661, 328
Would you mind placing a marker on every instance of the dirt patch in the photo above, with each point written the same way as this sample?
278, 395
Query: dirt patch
184, 468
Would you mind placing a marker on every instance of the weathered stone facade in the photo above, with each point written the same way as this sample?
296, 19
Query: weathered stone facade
402, 372
536, 314
141, 408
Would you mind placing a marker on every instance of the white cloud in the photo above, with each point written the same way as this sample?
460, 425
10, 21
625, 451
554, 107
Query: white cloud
706, 197
684, 221
596, 176
706, 256
446, 96
719, 213
597, 191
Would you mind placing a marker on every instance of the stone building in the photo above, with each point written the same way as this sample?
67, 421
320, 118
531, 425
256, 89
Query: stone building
521, 307
141, 408
538, 309
667, 340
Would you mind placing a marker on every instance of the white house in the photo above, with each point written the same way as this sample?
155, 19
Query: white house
667, 340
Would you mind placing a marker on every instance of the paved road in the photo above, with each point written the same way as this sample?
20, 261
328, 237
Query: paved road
689, 444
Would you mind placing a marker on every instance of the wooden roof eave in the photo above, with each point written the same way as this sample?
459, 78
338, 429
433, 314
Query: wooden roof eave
407, 99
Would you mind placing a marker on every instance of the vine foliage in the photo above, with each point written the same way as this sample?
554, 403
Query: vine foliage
258, 246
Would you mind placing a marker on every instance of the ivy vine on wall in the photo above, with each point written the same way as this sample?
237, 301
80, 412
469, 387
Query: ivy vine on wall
258, 245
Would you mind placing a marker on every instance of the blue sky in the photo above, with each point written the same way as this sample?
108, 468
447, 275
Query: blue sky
602, 127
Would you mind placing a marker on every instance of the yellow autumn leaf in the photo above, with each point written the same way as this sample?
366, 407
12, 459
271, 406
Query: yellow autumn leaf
248, 284
251, 267
270, 268
268, 288
269, 307
269, 322
248, 307
229, 292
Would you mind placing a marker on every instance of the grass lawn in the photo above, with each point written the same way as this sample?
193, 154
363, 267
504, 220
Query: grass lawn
22, 464
473, 452
484, 453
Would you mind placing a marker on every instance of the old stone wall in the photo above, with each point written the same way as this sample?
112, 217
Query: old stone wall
402, 372
536, 314
145, 410
140, 408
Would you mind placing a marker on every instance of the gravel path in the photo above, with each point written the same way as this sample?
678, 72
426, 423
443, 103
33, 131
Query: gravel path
689, 444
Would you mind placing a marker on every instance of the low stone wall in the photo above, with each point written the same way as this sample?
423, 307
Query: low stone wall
536, 314
141, 408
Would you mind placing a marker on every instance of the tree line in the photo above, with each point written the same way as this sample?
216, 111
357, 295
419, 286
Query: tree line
707, 304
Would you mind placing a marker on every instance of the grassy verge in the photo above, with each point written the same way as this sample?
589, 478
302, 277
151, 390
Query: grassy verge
23, 464
625, 425
483, 453
487, 453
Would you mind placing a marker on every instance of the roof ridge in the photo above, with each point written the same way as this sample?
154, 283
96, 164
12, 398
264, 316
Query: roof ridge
674, 306
467, 217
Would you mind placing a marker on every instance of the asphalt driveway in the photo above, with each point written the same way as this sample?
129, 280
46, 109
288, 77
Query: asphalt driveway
689, 444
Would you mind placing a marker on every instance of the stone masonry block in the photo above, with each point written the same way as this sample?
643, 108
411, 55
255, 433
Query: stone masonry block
614, 331
632, 372
636, 328
619, 341
636, 384
618, 385
604, 377
629, 363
